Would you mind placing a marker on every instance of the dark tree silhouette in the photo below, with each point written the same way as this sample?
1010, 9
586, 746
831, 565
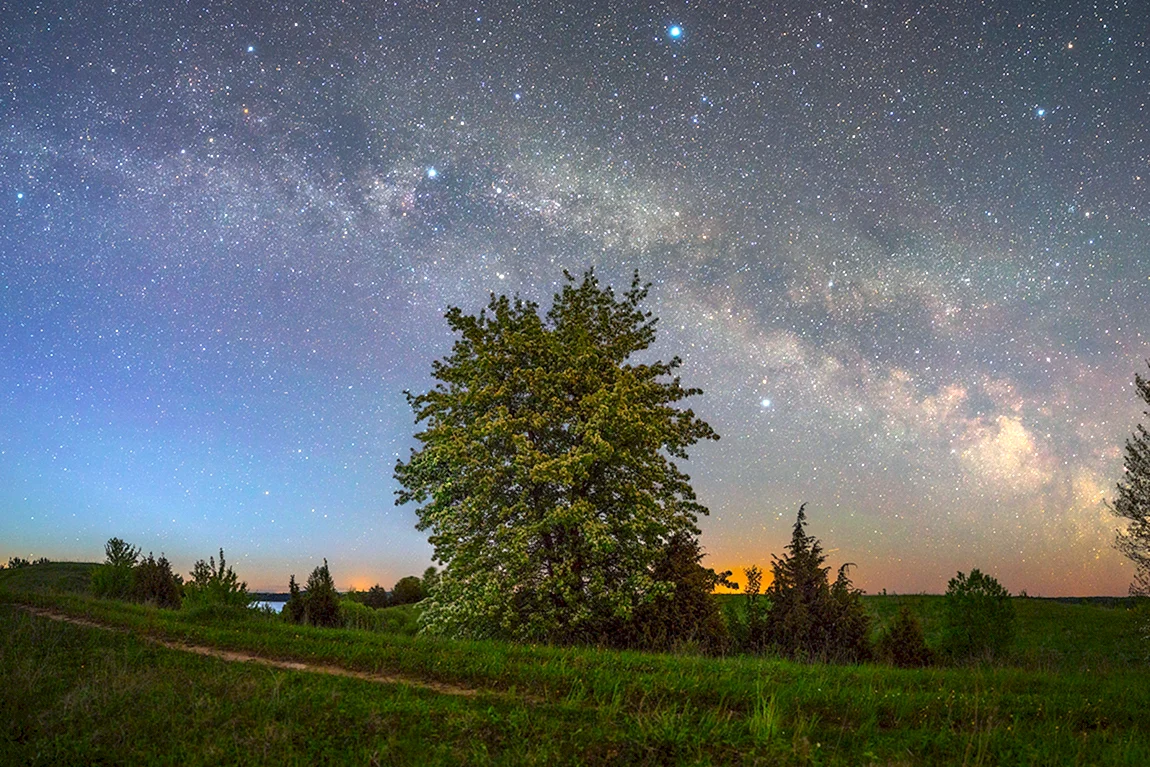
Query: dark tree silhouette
153, 581
687, 614
321, 602
903, 644
978, 621
376, 597
408, 590
1133, 500
808, 617
295, 607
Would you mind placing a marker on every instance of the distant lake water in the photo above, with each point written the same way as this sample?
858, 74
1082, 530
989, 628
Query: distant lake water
275, 606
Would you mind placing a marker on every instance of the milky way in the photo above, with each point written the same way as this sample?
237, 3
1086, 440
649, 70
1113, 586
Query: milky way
902, 249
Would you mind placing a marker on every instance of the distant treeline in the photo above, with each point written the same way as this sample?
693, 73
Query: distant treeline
803, 614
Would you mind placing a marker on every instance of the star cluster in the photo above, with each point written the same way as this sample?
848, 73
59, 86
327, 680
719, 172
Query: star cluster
902, 247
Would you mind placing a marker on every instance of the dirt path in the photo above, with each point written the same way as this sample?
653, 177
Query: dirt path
243, 657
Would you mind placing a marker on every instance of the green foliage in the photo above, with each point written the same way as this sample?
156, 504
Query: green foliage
376, 597
749, 626
215, 584
1140, 623
321, 602
903, 643
120, 554
111, 582
402, 620
689, 616
408, 590
430, 580
295, 607
1133, 501
979, 620
114, 578
808, 617
153, 581
545, 470
847, 622
357, 615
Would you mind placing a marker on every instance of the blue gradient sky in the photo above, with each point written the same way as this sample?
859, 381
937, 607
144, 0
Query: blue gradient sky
901, 248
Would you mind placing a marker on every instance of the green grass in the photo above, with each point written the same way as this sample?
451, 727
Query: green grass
56, 576
81, 695
1052, 634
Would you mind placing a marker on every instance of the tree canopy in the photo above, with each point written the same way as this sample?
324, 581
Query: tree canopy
1133, 500
545, 470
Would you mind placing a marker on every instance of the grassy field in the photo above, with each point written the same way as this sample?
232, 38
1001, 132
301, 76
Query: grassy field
76, 694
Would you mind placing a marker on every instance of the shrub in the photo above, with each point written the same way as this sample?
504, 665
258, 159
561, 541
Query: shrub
376, 597
114, 578
408, 590
17, 562
212, 584
153, 581
749, 627
403, 619
903, 644
321, 602
978, 617
356, 615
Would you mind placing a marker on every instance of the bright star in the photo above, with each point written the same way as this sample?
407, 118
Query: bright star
432, 172
764, 403
675, 31
1040, 112
19, 195
251, 49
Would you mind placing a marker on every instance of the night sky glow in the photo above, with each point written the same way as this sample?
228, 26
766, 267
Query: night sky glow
902, 248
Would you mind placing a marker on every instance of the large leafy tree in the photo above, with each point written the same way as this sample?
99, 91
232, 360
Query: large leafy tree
545, 470
1133, 500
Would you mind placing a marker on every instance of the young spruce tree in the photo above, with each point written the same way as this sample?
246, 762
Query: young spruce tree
545, 470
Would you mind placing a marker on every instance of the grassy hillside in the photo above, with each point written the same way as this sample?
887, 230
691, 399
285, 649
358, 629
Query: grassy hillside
53, 576
98, 696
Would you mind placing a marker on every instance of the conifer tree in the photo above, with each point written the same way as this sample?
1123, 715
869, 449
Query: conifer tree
545, 471
978, 617
1133, 500
808, 618
321, 602
295, 606
689, 615
903, 644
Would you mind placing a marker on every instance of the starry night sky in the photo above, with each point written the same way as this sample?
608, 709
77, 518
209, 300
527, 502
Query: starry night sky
903, 249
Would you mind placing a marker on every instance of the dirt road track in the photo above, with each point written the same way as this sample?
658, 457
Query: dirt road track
289, 665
